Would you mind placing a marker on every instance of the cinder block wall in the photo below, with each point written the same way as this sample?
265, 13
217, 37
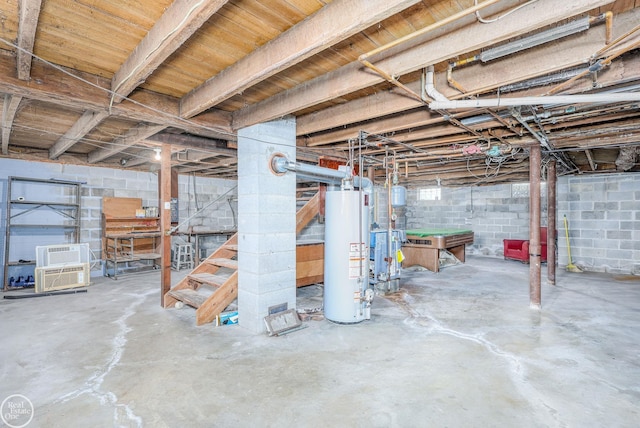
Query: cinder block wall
603, 212
111, 182
494, 213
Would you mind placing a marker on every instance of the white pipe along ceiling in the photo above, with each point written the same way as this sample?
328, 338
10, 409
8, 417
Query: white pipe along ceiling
530, 101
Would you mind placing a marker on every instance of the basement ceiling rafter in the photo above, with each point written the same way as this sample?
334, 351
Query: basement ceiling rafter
29, 13
88, 121
10, 108
330, 25
175, 26
132, 137
456, 42
110, 80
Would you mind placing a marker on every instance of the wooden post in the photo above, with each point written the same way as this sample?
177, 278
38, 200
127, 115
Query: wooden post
551, 222
165, 221
534, 226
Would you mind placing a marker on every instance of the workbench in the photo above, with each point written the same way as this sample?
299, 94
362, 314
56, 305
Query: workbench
423, 246
130, 243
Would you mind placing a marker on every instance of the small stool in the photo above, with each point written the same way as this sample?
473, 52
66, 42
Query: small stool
182, 256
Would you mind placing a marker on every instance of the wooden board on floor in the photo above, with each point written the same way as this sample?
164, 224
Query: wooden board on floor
309, 263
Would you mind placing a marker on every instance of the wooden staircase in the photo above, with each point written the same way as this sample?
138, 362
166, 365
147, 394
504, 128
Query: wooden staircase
213, 284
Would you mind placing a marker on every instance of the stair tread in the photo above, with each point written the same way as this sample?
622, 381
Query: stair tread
188, 296
232, 264
233, 247
209, 278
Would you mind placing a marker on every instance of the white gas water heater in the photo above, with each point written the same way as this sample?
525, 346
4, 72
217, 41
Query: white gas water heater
347, 294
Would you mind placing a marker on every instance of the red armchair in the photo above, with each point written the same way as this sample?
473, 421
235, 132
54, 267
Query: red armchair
518, 249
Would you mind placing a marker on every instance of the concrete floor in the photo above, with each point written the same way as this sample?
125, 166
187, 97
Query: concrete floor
456, 349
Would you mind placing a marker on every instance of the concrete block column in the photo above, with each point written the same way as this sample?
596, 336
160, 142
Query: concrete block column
266, 222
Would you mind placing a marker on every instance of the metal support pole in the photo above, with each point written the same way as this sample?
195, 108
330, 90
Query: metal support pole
551, 222
534, 226
165, 221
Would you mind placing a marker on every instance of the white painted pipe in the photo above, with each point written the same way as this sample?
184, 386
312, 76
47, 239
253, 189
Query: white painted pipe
430, 87
529, 101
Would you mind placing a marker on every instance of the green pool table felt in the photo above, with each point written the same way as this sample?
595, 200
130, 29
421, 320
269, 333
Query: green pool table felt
436, 232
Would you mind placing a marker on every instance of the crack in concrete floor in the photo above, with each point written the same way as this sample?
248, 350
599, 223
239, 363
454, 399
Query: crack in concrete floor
517, 372
93, 384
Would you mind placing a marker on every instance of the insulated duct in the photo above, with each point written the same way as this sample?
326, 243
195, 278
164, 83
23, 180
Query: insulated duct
540, 38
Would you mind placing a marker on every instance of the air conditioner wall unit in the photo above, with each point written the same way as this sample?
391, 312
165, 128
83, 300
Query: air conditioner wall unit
61, 277
62, 255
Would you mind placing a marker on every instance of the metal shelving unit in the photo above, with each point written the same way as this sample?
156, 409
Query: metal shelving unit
58, 219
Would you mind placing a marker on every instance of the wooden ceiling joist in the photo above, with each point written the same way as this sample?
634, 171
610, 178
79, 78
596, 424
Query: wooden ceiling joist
219, 147
29, 11
175, 26
88, 121
131, 137
60, 88
330, 25
354, 77
10, 108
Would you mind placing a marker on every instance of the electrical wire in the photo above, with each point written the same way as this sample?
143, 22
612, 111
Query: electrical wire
145, 106
140, 64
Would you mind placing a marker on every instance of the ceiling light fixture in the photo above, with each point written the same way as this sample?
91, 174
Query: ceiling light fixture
158, 155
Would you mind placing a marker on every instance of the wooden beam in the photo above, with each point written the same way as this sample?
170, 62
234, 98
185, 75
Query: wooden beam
191, 156
477, 79
9, 110
353, 77
88, 121
130, 138
592, 164
408, 120
194, 142
29, 11
358, 110
208, 165
333, 23
135, 161
175, 26
59, 88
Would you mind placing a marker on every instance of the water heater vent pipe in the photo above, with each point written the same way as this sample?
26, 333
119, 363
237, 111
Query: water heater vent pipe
280, 165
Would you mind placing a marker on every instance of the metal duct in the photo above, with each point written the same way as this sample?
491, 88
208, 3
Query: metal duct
541, 81
280, 165
542, 37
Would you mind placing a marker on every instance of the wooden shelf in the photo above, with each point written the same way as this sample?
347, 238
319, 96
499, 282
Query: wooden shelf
47, 203
126, 237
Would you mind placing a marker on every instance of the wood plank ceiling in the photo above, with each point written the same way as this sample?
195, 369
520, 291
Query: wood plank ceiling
104, 82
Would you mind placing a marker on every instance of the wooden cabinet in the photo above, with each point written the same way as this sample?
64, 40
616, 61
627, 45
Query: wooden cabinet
130, 243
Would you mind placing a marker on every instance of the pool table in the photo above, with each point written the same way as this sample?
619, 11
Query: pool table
423, 246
